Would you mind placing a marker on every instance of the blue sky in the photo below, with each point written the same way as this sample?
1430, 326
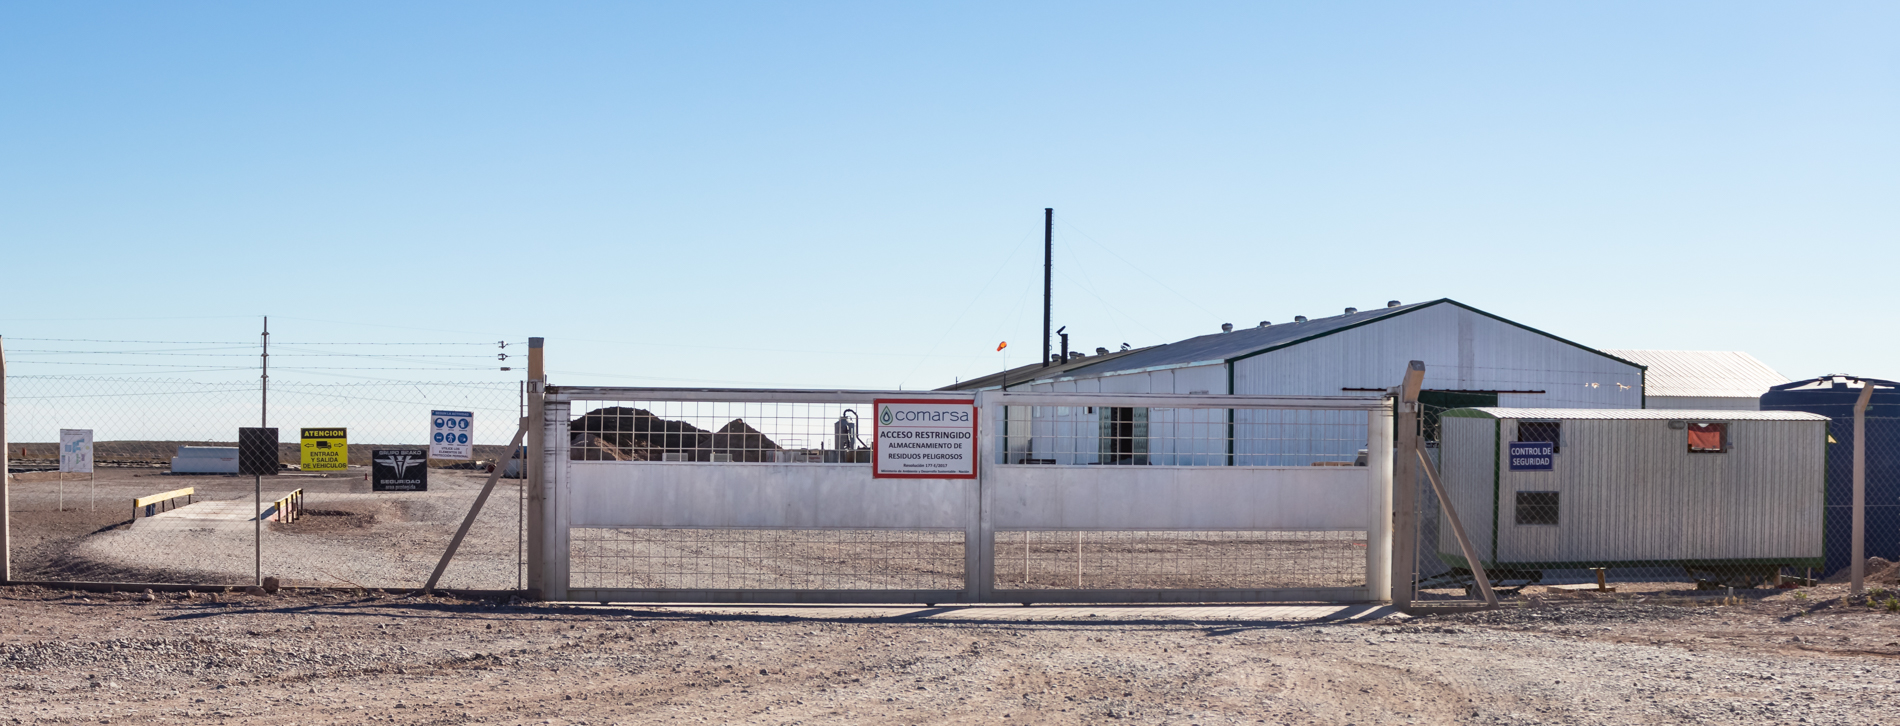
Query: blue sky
851, 195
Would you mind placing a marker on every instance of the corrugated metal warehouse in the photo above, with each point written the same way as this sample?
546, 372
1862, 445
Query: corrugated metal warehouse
1473, 358
1702, 379
1726, 492
1466, 351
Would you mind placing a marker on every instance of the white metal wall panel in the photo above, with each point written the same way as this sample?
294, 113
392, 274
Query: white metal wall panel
1466, 463
776, 496
1182, 498
1703, 403
1462, 350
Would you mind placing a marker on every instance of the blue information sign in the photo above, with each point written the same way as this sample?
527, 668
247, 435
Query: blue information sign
1531, 455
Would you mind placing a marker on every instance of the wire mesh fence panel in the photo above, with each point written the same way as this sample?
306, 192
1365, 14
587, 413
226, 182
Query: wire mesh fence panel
1630, 501
766, 559
166, 503
780, 432
1150, 560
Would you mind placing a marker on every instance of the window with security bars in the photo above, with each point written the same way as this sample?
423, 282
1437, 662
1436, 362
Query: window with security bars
1550, 431
1537, 507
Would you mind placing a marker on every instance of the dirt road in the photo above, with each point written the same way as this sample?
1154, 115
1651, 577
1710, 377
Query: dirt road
340, 658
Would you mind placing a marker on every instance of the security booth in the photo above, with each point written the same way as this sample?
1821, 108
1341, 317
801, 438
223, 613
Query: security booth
1731, 498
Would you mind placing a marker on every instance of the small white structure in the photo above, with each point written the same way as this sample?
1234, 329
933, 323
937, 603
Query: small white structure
1728, 492
205, 460
1702, 379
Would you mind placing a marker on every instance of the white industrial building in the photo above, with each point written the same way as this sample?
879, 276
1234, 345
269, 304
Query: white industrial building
1702, 379
1472, 358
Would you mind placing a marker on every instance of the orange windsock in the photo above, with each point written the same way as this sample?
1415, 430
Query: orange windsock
1002, 345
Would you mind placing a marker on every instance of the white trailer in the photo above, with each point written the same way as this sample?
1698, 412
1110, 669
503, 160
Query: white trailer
205, 460
1737, 495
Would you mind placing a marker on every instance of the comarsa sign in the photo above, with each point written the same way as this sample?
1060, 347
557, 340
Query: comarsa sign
924, 439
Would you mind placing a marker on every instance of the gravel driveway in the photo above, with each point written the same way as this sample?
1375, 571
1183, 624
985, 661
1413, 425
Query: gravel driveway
332, 658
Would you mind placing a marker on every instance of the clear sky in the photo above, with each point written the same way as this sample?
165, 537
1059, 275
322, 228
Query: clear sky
851, 195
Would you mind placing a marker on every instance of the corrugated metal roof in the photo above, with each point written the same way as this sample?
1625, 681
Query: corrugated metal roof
1636, 414
1247, 341
1224, 346
1709, 373
1035, 371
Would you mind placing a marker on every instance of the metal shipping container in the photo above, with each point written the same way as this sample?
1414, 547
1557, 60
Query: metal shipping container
1734, 494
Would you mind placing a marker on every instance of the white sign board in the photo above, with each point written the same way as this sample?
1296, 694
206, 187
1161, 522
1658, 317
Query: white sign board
75, 450
450, 433
924, 439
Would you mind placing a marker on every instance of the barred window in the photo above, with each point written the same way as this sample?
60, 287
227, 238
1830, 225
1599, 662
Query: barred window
1550, 431
1537, 507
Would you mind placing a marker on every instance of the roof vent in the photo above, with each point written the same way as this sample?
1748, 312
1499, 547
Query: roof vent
1299, 318
1350, 311
1226, 327
1101, 351
1265, 323
1392, 303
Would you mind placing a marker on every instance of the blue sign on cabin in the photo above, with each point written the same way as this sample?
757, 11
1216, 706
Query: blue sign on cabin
1531, 455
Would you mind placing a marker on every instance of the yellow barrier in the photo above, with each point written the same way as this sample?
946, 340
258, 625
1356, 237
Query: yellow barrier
150, 504
288, 508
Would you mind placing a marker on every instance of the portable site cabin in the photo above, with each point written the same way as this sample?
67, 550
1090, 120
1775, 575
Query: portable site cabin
1736, 494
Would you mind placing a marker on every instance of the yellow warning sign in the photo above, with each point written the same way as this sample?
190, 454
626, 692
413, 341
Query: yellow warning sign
326, 449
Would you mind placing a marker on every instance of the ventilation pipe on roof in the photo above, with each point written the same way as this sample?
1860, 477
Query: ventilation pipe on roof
1226, 327
1265, 323
1392, 303
1299, 318
1101, 351
1350, 311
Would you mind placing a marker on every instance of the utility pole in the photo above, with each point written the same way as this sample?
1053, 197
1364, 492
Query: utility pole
6, 480
257, 482
1048, 269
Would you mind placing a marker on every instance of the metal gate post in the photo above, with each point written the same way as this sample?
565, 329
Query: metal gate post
1857, 542
532, 469
1405, 489
979, 569
1379, 534
554, 510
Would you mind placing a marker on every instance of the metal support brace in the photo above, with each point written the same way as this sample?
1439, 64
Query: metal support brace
475, 510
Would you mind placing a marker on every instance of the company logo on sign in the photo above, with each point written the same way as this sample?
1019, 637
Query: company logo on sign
401, 463
925, 439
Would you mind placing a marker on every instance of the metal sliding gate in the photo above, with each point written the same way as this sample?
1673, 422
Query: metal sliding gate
700, 495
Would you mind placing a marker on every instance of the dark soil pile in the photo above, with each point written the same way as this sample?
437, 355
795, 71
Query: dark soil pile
618, 433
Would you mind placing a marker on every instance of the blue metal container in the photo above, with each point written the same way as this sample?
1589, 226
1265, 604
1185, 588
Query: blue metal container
1831, 396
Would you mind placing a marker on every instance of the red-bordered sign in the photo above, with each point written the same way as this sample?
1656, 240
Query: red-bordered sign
924, 438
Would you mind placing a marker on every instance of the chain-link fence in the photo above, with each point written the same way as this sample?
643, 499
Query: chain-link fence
1650, 502
165, 503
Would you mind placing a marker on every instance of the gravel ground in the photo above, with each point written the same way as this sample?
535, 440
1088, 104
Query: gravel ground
353, 537
336, 658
